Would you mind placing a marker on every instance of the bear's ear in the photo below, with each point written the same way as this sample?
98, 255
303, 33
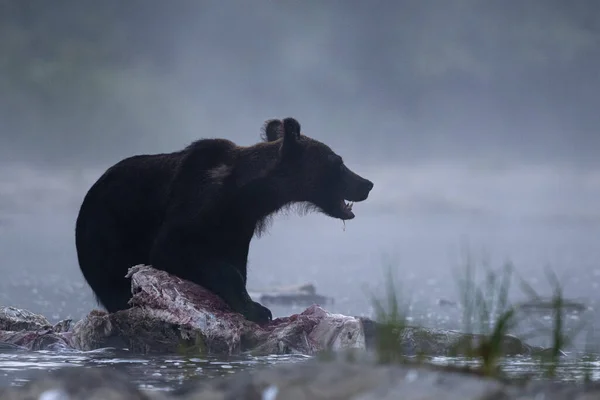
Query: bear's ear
291, 134
291, 128
272, 130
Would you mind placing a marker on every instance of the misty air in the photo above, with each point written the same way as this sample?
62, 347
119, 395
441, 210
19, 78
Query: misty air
207, 198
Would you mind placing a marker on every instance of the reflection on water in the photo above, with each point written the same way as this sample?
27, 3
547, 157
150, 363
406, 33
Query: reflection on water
169, 372
574, 367
155, 373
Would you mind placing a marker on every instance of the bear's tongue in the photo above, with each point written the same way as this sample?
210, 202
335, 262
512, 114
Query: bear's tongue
346, 209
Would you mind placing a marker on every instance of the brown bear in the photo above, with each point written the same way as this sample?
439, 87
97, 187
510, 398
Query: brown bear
194, 212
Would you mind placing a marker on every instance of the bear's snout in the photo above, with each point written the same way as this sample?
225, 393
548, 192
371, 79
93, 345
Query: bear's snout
364, 188
368, 185
357, 187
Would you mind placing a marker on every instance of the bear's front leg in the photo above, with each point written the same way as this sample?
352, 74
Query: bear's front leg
224, 280
259, 313
179, 253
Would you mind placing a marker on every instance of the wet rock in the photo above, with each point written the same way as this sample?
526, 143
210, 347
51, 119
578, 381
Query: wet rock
63, 326
93, 332
172, 315
305, 294
439, 342
24, 330
447, 303
442, 342
143, 331
15, 319
34, 340
548, 305
169, 315
7, 346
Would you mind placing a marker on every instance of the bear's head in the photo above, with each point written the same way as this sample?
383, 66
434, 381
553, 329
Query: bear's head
315, 173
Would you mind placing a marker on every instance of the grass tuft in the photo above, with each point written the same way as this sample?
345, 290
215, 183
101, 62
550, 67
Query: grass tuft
559, 339
391, 317
487, 306
488, 319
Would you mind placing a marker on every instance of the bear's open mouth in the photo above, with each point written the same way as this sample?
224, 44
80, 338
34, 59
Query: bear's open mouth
345, 210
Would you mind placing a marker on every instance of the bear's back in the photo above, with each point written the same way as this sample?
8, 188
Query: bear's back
135, 190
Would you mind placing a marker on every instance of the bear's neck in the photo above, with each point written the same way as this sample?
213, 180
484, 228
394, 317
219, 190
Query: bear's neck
262, 192
259, 200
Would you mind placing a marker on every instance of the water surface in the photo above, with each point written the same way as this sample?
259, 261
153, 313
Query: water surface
150, 372
342, 264
166, 373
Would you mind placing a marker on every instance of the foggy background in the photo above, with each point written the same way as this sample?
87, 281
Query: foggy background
476, 120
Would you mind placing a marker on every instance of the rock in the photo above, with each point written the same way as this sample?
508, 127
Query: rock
547, 305
24, 330
305, 294
290, 299
439, 342
34, 340
447, 303
307, 288
172, 315
442, 342
63, 326
169, 314
4, 346
15, 319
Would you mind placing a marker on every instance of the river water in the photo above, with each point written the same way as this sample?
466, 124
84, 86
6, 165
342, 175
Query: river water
39, 273
170, 372
153, 373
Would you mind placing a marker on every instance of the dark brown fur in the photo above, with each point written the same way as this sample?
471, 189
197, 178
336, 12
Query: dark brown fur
194, 212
